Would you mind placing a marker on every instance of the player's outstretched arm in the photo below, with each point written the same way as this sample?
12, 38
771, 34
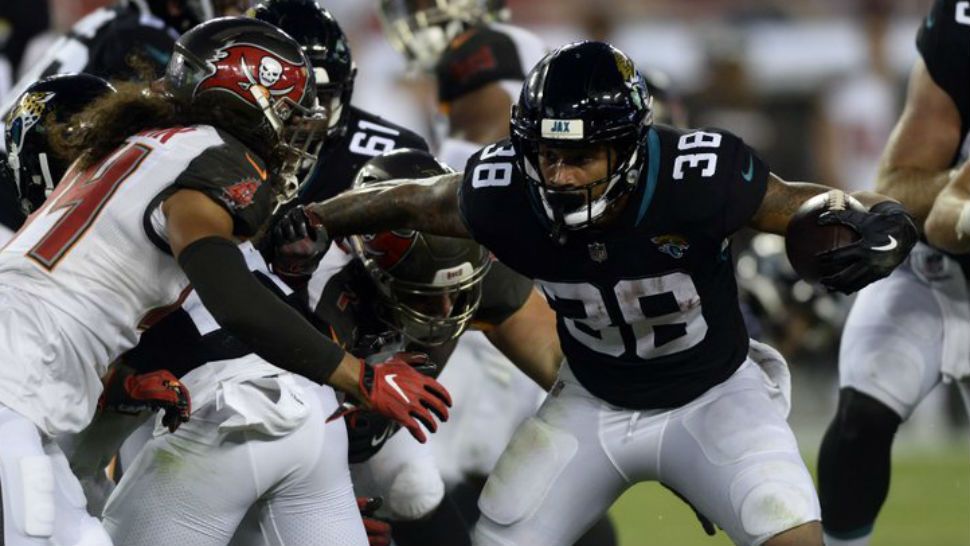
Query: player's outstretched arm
915, 164
948, 223
429, 205
529, 339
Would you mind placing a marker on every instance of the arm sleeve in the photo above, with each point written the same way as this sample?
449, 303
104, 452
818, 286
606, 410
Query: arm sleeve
248, 310
236, 179
943, 42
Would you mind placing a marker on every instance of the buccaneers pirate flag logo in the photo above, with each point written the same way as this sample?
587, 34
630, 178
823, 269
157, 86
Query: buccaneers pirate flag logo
239, 68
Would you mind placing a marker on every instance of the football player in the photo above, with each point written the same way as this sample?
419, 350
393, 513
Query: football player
626, 227
405, 291
30, 170
167, 178
907, 333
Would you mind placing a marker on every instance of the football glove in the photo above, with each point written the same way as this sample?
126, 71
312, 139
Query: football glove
299, 243
401, 388
367, 432
378, 532
128, 392
886, 235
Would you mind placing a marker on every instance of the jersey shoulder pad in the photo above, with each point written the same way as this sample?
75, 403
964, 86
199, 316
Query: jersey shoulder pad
943, 42
503, 293
492, 187
709, 177
482, 55
234, 177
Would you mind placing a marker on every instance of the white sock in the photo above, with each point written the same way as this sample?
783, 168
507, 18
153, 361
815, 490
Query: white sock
860, 541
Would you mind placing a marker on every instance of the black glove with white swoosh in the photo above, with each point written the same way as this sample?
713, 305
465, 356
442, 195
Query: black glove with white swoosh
886, 235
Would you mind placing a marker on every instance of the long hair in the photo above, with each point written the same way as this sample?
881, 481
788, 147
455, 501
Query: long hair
104, 125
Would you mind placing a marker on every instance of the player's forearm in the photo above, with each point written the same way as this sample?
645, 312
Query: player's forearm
429, 205
916, 189
948, 222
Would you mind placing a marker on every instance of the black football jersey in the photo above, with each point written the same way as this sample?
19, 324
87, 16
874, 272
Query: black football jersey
647, 310
943, 42
103, 44
11, 213
367, 136
485, 54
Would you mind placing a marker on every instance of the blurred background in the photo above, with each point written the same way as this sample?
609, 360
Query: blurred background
814, 85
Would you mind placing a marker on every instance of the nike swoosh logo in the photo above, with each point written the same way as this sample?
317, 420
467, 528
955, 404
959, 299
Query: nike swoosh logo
390, 381
748, 173
259, 170
376, 440
888, 246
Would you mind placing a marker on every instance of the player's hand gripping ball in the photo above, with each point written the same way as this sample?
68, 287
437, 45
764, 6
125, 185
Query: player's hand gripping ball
836, 241
806, 238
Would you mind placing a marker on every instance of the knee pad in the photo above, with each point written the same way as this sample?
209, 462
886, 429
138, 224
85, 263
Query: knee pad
773, 497
533, 460
861, 415
415, 492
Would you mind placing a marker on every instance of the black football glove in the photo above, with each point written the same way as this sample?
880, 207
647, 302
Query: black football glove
367, 432
886, 235
299, 243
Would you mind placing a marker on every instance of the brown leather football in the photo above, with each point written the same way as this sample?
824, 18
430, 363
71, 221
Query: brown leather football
805, 238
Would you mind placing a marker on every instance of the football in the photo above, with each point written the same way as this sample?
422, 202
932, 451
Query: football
805, 238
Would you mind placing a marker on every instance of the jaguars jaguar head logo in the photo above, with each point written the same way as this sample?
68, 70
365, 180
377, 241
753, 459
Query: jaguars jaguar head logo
27, 113
672, 245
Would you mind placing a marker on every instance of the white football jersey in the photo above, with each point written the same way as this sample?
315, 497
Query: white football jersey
94, 262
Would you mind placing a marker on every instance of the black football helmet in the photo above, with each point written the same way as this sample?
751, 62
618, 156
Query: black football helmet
326, 45
56, 99
422, 29
185, 14
259, 78
581, 95
428, 287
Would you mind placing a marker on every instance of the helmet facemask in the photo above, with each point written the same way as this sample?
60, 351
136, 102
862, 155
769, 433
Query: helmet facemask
581, 206
428, 298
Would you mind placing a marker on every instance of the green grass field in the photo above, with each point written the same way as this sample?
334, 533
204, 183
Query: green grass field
929, 505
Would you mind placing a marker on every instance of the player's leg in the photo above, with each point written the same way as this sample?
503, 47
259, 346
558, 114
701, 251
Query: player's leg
41, 500
554, 480
890, 358
314, 503
405, 474
189, 487
731, 454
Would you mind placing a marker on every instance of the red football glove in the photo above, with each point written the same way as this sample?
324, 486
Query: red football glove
127, 392
378, 532
401, 390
